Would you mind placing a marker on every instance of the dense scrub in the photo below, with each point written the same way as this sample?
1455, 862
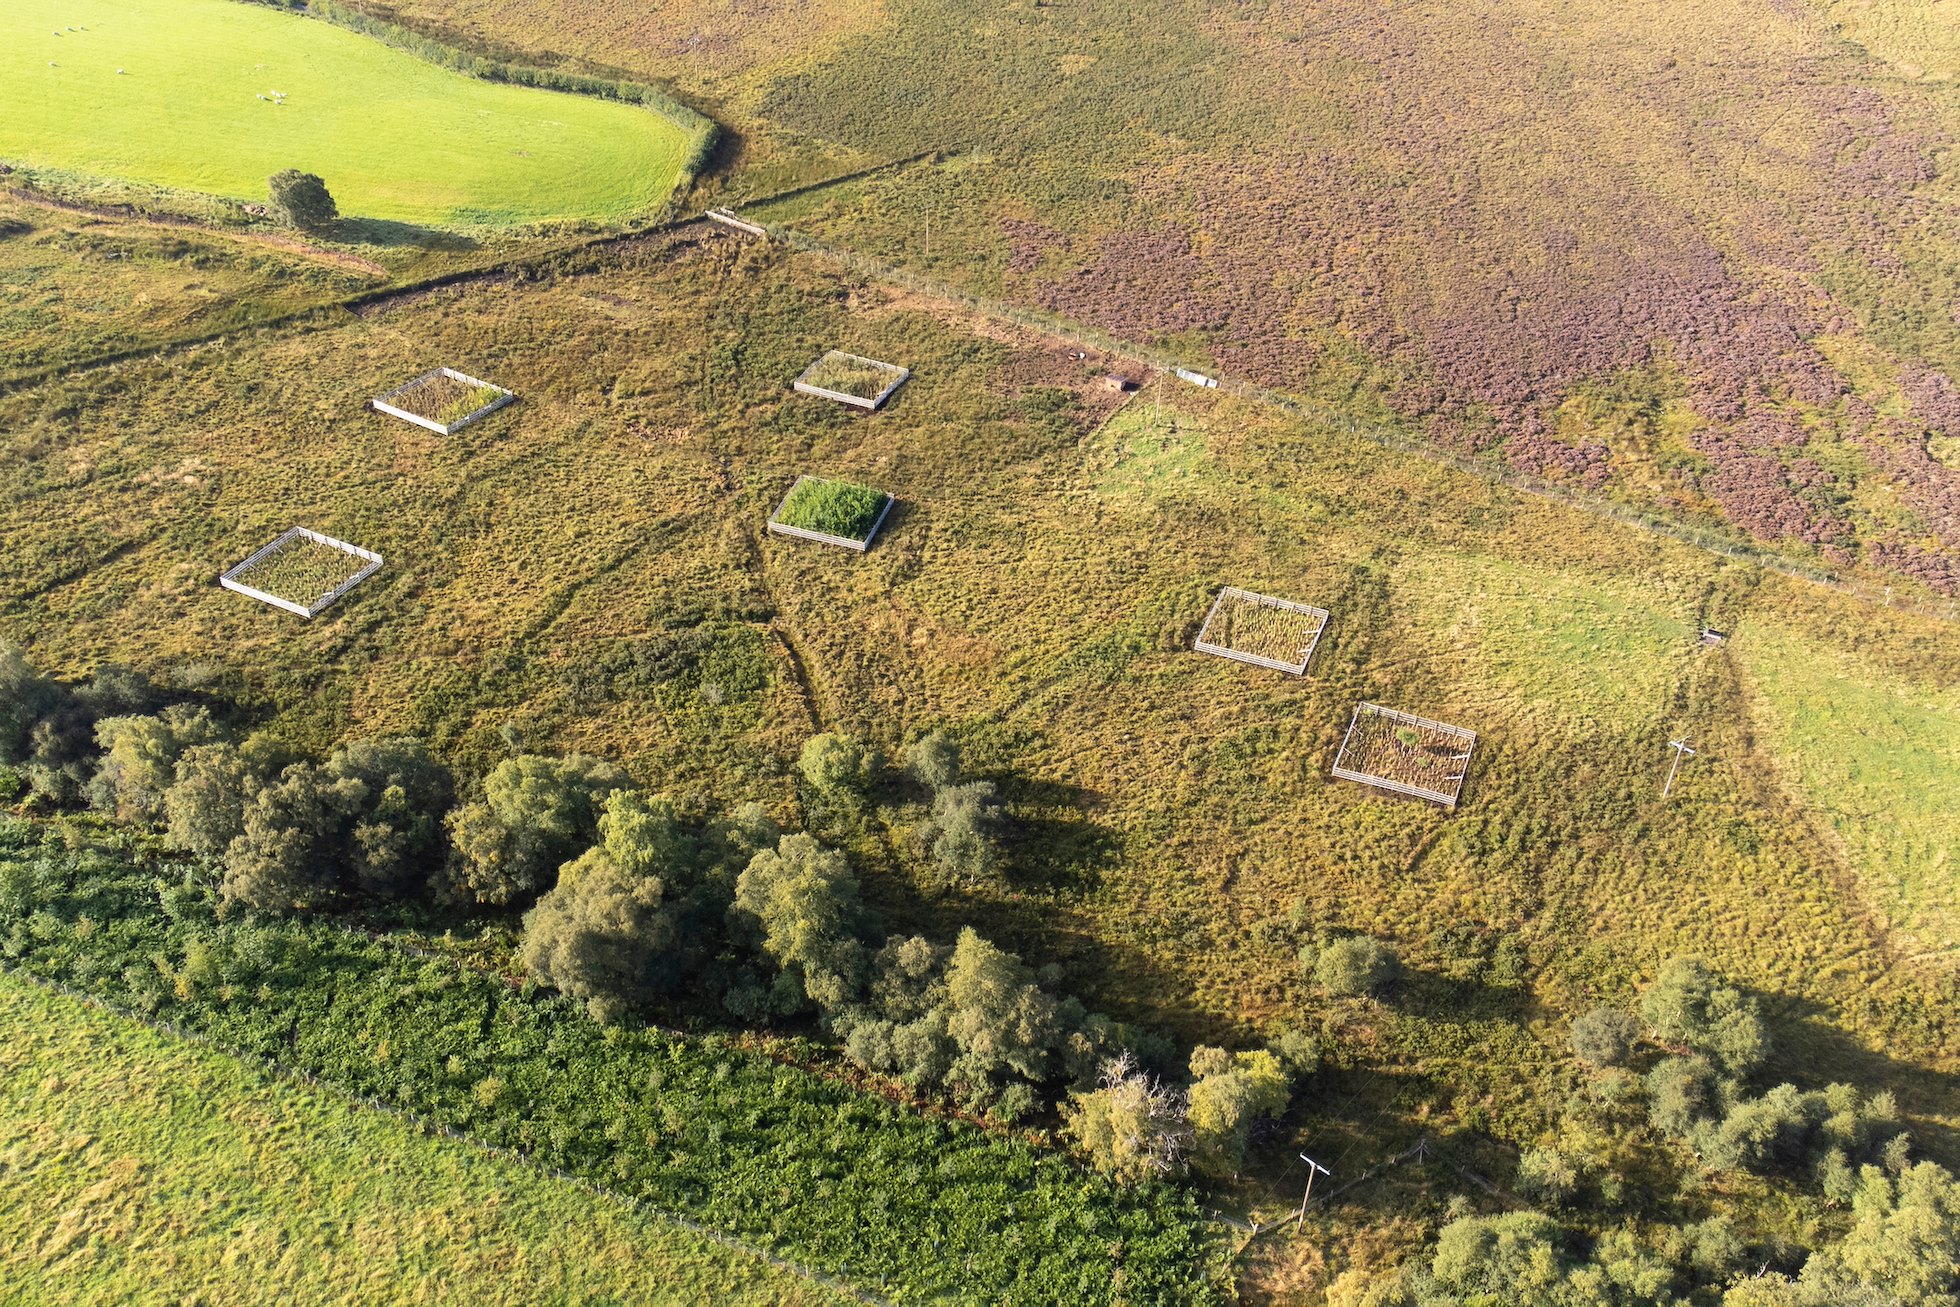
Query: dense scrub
839, 1179
117, 1136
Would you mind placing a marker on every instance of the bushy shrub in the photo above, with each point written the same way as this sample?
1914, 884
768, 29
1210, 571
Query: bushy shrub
1355, 965
836, 765
1131, 1128
396, 834
601, 935
139, 756
1547, 1175
1682, 1092
536, 813
205, 806
288, 852
1689, 1005
47, 729
966, 821
1605, 1037
1230, 1091
800, 901
934, 760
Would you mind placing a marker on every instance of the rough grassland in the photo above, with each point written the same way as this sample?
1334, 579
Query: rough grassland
138, 1167
394, 137
596, 572
72, 286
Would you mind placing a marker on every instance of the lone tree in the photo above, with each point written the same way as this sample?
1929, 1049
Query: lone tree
299, 199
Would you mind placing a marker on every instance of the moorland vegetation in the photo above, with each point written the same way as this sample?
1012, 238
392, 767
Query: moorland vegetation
1183, 865
1577, 1043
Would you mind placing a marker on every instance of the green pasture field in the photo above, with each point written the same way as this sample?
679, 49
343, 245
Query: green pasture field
178, 93
595, 574
135, 1166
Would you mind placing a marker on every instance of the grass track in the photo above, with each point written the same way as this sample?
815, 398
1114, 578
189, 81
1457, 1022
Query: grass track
394, 137
138, 1166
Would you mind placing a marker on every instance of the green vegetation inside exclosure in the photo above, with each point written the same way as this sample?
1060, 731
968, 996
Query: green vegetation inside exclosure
849, 375
445, 399
301, 570
215, 96
838, 508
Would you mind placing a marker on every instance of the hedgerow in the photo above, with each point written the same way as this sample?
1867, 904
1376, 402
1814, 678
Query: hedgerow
922, 1206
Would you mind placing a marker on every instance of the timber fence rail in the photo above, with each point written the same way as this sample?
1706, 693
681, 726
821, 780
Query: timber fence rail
1363, 771
395, 401
811, 380
1315, 623
859, 544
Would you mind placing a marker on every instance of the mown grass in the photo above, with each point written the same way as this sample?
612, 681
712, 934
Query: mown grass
179, 94
594, 573
1874, 751
139, 1167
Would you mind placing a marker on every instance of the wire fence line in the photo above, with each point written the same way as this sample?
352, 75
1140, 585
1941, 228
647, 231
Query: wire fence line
423, 1125
1377, 433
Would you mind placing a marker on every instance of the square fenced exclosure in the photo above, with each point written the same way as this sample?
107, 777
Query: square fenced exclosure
1262, 630
1406, 754
841, 513
302, 571
443, 400
852, 379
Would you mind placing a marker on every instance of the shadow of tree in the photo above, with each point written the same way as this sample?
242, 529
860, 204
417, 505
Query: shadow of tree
389, 234
1053, 845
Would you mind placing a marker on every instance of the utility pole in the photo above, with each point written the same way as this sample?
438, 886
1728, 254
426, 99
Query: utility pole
1312, 1168
1680, 747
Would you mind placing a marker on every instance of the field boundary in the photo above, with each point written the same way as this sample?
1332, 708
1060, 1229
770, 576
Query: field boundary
292, 1075
324, 315
138, 217
515, 72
